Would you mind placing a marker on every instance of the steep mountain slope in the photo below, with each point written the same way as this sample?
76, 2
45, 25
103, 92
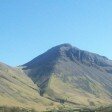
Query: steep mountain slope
68, 74
17, 89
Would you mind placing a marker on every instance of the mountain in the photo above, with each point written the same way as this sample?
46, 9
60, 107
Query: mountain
72, 76
17, 89
62, 76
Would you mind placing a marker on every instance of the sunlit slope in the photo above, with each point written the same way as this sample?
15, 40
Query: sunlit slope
66, 73
17, 89
59, 90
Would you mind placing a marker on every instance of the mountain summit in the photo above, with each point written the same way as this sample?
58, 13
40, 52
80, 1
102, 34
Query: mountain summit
67, 51
66, 73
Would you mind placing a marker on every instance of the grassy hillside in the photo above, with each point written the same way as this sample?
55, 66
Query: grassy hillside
64, 91
17, 89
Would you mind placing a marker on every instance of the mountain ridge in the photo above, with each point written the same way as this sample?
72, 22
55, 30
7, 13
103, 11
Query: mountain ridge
59, 49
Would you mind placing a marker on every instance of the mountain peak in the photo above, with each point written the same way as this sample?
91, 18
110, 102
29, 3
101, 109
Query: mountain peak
51, 55
67, 52
79, 68
65, 45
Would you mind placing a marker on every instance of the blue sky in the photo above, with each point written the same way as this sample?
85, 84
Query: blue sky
30, 27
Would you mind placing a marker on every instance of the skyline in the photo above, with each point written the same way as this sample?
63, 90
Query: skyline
29, 28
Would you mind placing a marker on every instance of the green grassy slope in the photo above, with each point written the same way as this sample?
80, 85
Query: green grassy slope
58, 90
